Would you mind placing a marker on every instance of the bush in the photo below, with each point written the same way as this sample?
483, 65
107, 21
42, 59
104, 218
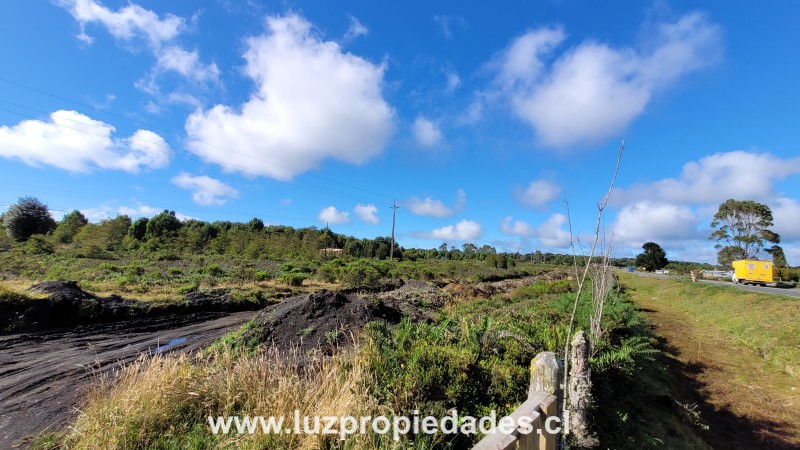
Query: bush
294, 278
213, 270
329, 272
38, 245
264, 275
27, 217
360, 275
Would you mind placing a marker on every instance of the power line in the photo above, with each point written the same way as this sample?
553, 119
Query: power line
166, 149
232, 167
181, 135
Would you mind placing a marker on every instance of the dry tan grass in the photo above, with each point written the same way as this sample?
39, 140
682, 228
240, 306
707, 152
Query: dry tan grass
19, 287
167, 399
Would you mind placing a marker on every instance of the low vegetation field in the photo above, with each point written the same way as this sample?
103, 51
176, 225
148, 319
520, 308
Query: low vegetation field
471, 354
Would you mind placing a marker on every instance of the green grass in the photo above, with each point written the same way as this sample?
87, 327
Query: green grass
765, 323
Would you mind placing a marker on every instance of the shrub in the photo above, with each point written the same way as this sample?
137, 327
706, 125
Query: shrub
294, 278
27, 217
360, 274
264, 275
328, 272
38, 245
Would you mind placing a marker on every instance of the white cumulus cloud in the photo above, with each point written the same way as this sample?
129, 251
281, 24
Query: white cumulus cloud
143, 210
206, 190
716, 178
594, 91
186, 63
786, 216
140, 210
129, 22
331, 215
519, 228
78, 143
537, 194
426, 133
312, 101
655, 222
367, 213
432, 207
466, 230
550, 233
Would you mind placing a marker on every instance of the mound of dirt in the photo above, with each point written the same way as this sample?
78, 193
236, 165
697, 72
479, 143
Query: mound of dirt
417, 300
68, 305
323, 320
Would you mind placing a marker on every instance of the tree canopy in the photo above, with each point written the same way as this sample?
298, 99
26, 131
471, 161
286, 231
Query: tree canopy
69, 226
653, 258
778, 257
27, 217
743, 224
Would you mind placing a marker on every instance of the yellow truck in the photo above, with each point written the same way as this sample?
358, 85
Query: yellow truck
750, 271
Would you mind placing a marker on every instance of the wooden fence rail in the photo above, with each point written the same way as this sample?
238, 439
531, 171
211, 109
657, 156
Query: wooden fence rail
544, 401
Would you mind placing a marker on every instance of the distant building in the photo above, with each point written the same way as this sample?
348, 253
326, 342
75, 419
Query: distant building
332, 252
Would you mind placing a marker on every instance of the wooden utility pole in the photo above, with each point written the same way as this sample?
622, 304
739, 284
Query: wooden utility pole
394, 212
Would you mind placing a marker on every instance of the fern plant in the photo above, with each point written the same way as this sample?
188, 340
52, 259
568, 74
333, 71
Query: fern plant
623, 356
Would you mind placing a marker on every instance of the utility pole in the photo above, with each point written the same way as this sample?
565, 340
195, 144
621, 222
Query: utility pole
394, 212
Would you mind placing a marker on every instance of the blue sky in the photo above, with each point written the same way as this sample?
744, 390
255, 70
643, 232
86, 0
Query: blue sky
478, 120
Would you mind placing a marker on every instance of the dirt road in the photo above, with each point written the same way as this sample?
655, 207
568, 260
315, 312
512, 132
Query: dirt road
43, 376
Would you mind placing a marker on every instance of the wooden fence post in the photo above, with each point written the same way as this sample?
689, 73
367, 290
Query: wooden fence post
547, 374
580, 392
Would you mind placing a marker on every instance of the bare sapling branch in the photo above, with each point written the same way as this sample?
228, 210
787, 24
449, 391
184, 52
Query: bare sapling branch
581, 276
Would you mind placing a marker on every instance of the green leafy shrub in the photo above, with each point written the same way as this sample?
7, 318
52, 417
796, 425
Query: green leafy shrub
264, 275
38, 245
329, 272
294, 278
360, 275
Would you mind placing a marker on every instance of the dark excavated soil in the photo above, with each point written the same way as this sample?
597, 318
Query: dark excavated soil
44, 375
327, 318
67, 305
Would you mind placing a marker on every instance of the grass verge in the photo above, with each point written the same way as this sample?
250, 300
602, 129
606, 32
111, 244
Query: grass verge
769, 325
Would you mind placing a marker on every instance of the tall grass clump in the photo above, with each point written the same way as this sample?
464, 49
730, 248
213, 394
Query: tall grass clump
163, 402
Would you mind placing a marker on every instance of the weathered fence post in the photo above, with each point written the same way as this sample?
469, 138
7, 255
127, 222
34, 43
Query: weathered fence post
580, 392
547, 373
